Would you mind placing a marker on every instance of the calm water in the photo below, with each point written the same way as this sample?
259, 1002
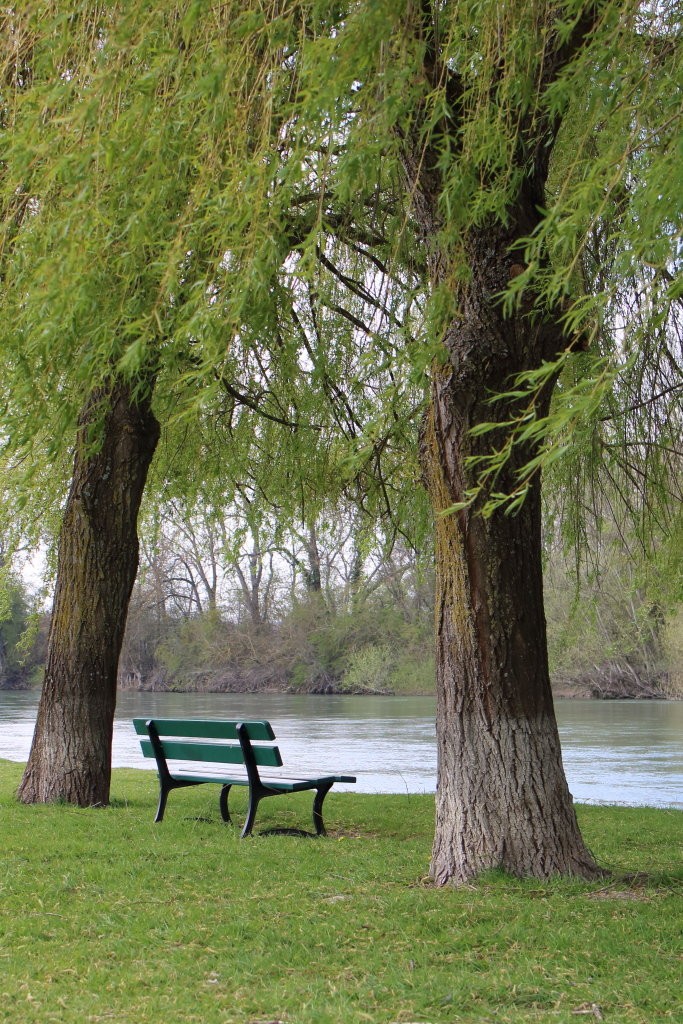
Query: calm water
616, 752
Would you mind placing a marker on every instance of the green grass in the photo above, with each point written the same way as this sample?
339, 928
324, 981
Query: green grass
105, 916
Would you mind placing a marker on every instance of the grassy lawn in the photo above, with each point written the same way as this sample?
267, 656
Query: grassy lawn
105, 916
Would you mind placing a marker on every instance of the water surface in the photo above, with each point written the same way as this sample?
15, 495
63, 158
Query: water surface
615, 752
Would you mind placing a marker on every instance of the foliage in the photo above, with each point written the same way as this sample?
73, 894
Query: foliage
606, 636
610, 606
21, 634
673, 650
348, 650
375, 668
225, 602
108, 915
310, 649
608, 249
192, 650
214, 206
143, 237
380, 668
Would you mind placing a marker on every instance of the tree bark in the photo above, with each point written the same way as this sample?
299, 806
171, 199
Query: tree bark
70, 757
502, 797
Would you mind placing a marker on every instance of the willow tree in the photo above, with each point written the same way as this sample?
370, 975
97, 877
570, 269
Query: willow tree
91, 374
94, 125
507, 137
141, 288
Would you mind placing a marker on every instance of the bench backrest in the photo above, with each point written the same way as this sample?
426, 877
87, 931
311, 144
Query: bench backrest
190, 739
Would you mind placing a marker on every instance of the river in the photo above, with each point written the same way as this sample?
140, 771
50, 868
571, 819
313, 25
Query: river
615, 752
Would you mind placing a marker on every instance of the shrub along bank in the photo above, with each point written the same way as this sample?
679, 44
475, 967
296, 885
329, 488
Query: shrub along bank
374, 650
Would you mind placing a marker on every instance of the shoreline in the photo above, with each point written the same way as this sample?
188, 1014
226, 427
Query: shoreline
561, 692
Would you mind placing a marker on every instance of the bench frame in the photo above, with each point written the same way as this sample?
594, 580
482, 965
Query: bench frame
259, 787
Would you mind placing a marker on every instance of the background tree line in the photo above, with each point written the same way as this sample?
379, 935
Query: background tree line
224, 604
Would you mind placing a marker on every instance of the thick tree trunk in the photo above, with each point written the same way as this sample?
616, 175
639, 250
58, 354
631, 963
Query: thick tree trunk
502, 797
70, 757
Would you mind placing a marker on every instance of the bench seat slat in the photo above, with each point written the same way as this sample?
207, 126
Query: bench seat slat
219, 753
286, 785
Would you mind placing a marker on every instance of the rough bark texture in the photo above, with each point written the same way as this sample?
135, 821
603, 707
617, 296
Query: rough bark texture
502, 798
70, 757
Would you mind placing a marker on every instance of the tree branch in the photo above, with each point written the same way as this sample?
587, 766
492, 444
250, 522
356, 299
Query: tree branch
252, 404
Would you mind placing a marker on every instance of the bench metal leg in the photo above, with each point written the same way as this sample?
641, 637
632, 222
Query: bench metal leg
251, 813
166, 784
223, 803
163, 797
318, 822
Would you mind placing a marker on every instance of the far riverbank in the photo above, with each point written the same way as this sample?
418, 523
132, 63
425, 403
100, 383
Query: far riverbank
598, 685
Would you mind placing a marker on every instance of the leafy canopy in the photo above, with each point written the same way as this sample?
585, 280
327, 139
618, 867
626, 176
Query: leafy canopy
211, 201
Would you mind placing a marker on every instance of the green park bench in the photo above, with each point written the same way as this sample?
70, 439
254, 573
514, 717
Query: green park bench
247, 745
